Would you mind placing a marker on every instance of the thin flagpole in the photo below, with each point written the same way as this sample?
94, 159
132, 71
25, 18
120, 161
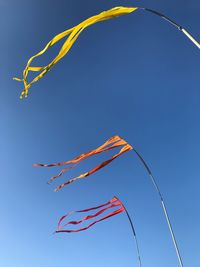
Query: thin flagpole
179, 27
163, 206
134, 234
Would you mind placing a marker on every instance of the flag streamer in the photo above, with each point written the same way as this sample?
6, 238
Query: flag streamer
73, 34
113, 203
112, 143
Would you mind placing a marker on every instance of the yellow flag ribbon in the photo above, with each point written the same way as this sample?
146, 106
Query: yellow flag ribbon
72, 34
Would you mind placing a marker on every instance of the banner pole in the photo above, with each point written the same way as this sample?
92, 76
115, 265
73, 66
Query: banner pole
134, 234
164, 208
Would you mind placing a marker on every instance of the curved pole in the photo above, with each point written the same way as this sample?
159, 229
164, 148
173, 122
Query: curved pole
179, 27
134, 234
163, 206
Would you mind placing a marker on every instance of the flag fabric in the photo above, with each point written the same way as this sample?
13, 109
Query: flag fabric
112, 143
73, 33
114, 205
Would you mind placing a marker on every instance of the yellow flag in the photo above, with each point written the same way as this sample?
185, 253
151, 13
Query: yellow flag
72, 34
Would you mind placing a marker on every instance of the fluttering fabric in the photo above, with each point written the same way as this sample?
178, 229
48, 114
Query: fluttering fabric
112, 143
73, 34
114, 204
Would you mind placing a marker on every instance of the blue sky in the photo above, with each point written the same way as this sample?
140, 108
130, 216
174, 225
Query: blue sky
135, 76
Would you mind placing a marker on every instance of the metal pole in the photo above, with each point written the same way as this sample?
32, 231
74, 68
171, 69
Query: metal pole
134, 234
163, 206
180, 28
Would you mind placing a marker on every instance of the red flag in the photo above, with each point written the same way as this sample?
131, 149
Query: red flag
112, 204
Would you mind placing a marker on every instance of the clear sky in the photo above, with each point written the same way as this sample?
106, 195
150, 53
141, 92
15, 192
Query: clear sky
135, 76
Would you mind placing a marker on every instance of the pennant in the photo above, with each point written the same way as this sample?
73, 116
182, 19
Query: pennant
114, 204
116, 207
112, 143
73, 33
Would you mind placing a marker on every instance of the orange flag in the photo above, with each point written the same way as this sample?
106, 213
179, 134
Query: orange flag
113, 142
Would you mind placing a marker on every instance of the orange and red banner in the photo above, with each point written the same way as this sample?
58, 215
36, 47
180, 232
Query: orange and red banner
112, 143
